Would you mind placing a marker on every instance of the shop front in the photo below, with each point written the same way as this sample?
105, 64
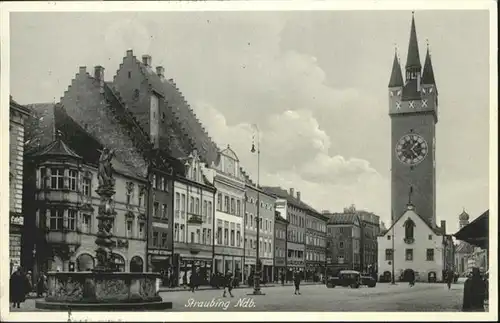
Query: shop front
193, 257
160, 261
231, 259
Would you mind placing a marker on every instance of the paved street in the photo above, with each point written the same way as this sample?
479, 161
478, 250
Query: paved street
384, 297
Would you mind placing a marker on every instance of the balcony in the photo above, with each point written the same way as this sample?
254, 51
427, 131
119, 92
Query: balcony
195, 219
409, 240
72, 238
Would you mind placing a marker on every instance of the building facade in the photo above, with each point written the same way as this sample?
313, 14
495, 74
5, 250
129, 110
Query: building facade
61, 187
315, 243
194, 222
254, 196
280, 246
226, 176
464, 251
18, 116
343, 242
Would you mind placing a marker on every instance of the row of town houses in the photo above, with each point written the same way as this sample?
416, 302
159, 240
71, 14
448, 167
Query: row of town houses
181, 201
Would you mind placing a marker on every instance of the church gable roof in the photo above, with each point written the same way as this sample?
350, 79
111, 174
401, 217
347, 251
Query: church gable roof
413, 215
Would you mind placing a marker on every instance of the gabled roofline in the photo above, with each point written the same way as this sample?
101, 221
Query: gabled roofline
428, 225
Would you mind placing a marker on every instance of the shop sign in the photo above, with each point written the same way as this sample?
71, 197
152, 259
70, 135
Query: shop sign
159, 252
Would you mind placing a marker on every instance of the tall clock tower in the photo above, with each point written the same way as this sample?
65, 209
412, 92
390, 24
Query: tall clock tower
413, 104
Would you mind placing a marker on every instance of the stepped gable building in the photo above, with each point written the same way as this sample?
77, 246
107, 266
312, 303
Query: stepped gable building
61, 179
161, 108
18, 117
418, 244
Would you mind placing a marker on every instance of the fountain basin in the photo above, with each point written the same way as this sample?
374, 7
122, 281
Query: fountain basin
102, 291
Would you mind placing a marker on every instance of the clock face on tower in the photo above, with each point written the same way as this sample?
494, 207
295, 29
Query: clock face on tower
411, 149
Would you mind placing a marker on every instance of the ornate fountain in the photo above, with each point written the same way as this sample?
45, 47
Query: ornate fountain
103, 288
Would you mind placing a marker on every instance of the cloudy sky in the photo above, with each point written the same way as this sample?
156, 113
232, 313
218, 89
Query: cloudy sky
315, 83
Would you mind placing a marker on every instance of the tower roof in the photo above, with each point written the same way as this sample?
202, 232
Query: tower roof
396, 75
57, 148
464, 216
428, 72
413, 58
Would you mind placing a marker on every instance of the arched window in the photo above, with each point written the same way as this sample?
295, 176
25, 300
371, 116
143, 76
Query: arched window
136, 265
119, 262
84, 262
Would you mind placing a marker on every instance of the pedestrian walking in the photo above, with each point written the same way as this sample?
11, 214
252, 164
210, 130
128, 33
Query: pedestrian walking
228, 284
192, 280
184, 280
449, 278
41, 285
296, 281
283, 278
19, 287
474, 292
412, 278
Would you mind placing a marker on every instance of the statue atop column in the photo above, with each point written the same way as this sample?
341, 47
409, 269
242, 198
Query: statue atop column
105, 173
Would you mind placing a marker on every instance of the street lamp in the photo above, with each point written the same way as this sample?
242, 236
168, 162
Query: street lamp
258, 267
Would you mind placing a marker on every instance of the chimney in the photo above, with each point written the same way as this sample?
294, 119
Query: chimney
99, 73
130, 53
160, 71
325, 212
443, 226
83, 70
298, 195
146, 60
292, 192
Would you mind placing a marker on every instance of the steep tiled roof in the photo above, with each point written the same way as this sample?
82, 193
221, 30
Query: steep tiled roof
396, 75
281, 193
39, 126
56, 148
464, 248
342, 218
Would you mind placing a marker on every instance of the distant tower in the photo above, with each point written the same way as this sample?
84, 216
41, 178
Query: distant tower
413, 107
463, 219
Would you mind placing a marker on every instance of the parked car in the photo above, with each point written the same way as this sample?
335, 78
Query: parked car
350, 278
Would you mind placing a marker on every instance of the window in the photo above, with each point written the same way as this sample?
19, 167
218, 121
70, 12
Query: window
183, 204
198, 234
341, 244
154, 181
219, 202
164, 240
128, 193
251, 220
182, 236
388, 237
197, 208
177, 204
430, 236
129, 229
246, 219
191, 205
209, 236
162, 185
129, 74
219, 235
388, 254
141, 230
409, 225
56, 178
430, 254
71, 220
176, 232
141, 195
226, 237
238, 207
155, 239
192, 237
226, 204
205, 211
204, 236
409, 254
73, 175
209, 214
87, 221
232, 238
87, 187
156, 206
164, 211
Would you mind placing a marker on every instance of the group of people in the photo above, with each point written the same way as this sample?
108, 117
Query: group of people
21, 286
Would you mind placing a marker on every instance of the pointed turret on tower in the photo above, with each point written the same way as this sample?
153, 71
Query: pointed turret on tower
396, 75
413, 66
428, 72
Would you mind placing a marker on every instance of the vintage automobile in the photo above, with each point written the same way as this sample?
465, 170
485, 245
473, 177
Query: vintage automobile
350, 278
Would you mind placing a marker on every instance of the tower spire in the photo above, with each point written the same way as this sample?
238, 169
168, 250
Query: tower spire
428, 71
413, 58
396, 75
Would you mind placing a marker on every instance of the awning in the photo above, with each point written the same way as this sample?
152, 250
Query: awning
476, 232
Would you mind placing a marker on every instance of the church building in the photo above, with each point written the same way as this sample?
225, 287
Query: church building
414, 243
